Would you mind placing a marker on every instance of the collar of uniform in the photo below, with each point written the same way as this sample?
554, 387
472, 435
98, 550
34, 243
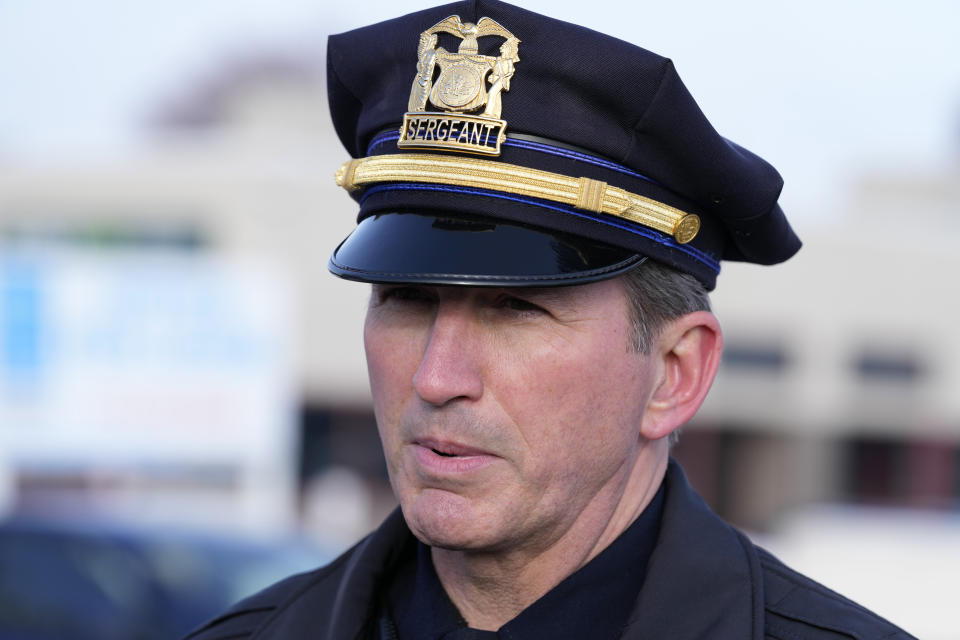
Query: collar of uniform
311, 612
593, 602
703, 579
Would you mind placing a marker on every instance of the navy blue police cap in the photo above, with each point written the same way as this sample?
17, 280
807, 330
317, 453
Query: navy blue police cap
494, 146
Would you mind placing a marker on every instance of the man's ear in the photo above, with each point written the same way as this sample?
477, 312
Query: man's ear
688, 354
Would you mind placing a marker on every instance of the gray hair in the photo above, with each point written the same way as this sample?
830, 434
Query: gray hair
657, 294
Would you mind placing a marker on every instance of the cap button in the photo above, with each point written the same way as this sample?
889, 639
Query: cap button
687, 228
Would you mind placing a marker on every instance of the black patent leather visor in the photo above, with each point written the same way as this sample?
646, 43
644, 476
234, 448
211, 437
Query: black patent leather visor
438, 249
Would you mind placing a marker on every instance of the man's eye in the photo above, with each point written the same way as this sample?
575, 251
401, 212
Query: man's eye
519, 304
404, 294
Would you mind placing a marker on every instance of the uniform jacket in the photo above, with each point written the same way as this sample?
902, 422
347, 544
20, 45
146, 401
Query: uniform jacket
705, 580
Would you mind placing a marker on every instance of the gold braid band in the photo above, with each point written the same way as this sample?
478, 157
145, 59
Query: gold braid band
582, 193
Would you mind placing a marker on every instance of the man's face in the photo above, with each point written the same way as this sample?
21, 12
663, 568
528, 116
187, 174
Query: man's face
505, 414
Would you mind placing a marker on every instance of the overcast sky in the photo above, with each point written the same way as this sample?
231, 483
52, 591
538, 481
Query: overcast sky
825, 89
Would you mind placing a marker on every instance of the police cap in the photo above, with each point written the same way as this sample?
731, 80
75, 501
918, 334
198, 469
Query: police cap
491, 145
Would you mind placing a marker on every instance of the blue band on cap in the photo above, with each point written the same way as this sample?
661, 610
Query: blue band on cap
694, 253
575, 155
530, 145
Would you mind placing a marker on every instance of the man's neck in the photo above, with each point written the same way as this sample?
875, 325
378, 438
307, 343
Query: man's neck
491, 588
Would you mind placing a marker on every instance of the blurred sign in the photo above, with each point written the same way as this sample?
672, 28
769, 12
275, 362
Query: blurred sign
144, 358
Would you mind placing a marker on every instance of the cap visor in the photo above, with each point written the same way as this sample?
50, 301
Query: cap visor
477, 251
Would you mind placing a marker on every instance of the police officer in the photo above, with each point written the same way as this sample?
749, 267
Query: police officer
543, 210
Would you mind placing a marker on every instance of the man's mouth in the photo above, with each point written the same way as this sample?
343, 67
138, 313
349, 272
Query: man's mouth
449, 457
450, 449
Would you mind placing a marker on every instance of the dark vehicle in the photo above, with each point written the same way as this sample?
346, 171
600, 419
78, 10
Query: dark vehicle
70, 582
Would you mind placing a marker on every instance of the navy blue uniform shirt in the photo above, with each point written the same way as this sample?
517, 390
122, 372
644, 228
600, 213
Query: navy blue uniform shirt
702, 580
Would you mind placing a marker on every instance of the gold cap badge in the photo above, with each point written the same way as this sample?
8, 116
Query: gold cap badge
469, 119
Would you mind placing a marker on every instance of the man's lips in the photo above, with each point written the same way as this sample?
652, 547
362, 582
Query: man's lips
445, 448
437, 457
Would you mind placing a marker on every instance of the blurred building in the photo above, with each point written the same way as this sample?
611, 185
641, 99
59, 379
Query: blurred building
840, 371
841, 367
175, 295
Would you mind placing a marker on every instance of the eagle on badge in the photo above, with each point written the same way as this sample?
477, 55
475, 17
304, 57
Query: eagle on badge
461, 86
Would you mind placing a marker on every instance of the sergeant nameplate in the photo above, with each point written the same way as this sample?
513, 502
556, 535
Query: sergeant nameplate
474, 134
456, 83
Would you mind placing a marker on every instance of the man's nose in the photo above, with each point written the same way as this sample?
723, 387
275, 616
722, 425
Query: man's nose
449, 368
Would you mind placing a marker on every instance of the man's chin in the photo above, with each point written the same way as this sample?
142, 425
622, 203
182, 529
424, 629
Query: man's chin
446, 520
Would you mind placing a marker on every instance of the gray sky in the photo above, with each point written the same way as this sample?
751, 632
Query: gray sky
826, 90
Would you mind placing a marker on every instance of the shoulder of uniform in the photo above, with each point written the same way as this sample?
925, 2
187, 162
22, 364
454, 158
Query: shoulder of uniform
244, 618
798, 607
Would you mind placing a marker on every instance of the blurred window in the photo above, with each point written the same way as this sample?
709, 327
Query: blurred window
106, 235
913, 472
758, 357
875, 365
